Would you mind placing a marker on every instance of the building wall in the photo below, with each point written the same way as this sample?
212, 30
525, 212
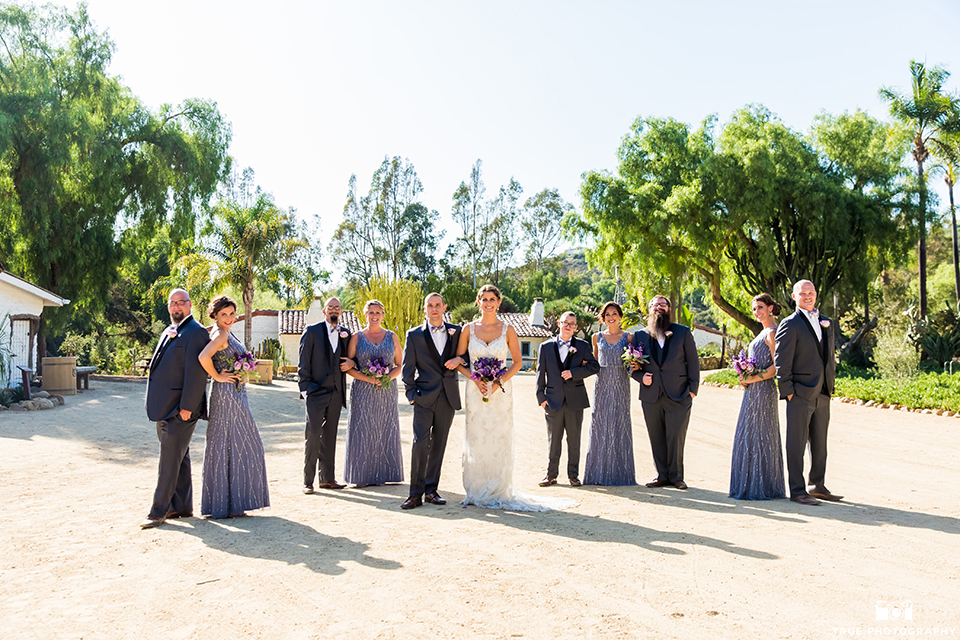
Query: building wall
13, 302
266, 326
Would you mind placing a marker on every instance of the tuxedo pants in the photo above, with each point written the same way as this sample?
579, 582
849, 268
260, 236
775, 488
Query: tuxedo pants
560, 421
807, 421
667, 422
320, 446
431, 426
174, 482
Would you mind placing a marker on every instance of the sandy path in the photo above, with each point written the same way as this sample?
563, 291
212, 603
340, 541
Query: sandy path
628, 562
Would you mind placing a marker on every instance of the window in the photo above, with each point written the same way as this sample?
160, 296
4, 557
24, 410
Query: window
525, 349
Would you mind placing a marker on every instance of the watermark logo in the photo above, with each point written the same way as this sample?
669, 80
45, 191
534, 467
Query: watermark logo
894, 610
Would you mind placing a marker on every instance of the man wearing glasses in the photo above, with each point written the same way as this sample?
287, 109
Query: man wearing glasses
176, 399
668, 384
562, 365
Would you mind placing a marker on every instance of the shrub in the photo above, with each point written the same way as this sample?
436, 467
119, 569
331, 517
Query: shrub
895, 356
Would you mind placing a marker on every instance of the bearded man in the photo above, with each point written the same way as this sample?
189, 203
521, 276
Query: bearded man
669, 381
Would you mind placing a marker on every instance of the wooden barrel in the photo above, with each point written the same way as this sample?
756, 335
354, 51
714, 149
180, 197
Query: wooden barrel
265, 371
60, 376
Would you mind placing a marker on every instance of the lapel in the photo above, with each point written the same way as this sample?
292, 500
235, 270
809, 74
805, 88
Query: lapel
325, 333
431, 345
666, 346
162, 350
813, 334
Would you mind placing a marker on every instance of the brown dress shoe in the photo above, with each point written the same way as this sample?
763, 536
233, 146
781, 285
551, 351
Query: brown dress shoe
824, 494
657, 483
434, 498
331, 485
412, 502
546, 482
680, 484
150, 522
307, 489
575, 482
172, 515
805, 498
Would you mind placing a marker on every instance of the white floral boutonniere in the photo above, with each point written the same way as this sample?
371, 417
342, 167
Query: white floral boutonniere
344, 335
572, 349
668, 334
171, 333
824, 323
450, 332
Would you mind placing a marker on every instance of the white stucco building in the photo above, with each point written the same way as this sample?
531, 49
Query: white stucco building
21, 304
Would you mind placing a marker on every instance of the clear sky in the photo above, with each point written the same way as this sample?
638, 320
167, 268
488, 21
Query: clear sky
539, 90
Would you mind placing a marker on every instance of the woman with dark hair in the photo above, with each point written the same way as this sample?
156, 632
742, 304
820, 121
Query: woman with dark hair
234, 469
610, 455
756, 472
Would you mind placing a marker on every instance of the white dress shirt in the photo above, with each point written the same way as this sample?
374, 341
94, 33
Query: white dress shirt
334, 336
439, 337
814, 318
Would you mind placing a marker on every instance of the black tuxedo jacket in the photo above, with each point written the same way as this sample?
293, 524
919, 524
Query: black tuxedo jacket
177, 380
675, 368
805, 366
319, 366
423, 373
551, 387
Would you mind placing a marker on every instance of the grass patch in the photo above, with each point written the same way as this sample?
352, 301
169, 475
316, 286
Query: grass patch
923, 391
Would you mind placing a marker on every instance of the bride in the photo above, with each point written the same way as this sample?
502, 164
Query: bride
488, 439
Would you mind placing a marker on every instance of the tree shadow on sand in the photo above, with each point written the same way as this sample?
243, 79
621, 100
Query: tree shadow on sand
565, 524
784, 510
273, 538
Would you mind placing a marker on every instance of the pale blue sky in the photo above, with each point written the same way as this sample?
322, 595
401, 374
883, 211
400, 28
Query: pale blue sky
541, 91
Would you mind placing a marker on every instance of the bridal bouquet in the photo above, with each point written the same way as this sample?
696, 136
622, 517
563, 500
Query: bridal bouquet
489, 370
379, 369
745, 365
244, 366
633, 354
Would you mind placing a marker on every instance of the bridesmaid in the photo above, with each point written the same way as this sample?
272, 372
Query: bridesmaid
757, 469
610, 456
373, 429
234, 470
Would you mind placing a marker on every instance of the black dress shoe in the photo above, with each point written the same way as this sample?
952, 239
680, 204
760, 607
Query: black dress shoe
546, 482
434, 498
307, 489
575, 482
331, 485
657, 483
680, 484
172, 515
804, 498
150, 522
824, 494
412, 502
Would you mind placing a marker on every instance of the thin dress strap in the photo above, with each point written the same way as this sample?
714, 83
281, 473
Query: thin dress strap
504, 332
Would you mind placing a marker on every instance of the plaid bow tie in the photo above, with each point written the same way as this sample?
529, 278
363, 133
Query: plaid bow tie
439, 329
563, 343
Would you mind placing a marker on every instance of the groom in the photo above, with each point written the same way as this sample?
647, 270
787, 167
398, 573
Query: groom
429, 376
176, 399
668, 385
323, 385
562, 365
806, 369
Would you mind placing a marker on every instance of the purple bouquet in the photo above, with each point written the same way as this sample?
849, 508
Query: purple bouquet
379, 369
633, 354
489, 370
244, 366
745, 365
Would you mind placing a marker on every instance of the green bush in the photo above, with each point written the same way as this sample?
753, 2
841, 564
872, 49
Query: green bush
923, 391
724, 376
895, 356
466, 312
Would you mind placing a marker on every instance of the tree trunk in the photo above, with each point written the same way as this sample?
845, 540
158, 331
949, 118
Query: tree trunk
956, 261
922, 244
731, 310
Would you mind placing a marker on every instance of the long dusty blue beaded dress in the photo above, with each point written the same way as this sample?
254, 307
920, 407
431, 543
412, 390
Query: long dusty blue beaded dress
756, 472
610, 456
234, 470
374, 455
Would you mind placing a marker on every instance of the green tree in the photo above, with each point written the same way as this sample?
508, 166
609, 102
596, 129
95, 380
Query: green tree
543, 214
502, 228
930, 112
472, 215
402, 301
81, 156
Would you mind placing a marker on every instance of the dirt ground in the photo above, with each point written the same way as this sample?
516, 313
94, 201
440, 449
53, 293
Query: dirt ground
628, 562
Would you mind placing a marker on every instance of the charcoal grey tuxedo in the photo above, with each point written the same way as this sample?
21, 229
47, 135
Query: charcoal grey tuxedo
176, 381
434, 392
324, 388
566, 399
666, 402
806, 369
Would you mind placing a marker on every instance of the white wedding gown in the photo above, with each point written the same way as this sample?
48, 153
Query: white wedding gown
488, 442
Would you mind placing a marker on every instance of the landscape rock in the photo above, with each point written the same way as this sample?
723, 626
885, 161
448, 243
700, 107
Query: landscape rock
57, 397
40, 394
15, 407
29, 405
46, 403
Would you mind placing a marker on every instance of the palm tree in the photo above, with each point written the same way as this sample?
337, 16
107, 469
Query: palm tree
930, 112
947, 149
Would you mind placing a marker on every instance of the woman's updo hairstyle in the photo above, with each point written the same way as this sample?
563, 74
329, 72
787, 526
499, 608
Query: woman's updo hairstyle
768, 300
218, 304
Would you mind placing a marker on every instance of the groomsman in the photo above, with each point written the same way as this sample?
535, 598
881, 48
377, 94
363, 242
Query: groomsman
562, 365
176, 399
668, 385
806, 368
429, 375
323, 385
